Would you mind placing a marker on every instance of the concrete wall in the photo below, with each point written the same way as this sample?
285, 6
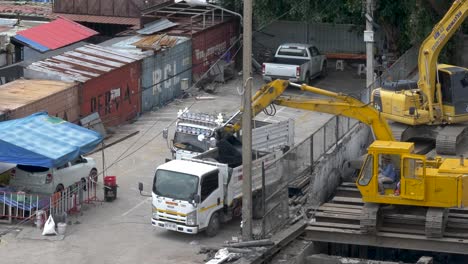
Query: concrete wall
329, 170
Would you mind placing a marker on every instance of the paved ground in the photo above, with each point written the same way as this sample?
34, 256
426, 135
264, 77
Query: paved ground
120, 232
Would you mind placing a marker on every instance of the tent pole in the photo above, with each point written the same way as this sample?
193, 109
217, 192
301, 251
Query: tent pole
103, 162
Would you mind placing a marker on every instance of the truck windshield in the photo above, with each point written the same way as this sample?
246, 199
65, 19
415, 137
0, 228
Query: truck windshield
175, 185
189, 142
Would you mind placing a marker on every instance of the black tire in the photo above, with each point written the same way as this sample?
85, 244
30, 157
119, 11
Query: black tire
59, 188
213, 226
93, 175
307, 78
324, 71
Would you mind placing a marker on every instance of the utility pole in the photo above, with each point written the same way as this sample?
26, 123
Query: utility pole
247, 124
369, 39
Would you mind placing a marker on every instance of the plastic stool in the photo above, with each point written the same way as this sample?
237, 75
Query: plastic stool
361, 69
340, 65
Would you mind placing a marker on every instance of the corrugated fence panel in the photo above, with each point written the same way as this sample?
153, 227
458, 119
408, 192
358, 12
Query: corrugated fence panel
336, 38
280, 32
329, 38
162, 75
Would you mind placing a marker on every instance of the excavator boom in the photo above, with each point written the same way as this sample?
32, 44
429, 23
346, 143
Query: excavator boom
431, 47
338, 104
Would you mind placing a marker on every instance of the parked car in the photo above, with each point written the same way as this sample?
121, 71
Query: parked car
296, 63
49, 180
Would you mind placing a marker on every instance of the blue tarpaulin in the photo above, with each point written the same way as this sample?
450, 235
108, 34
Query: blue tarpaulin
42, 140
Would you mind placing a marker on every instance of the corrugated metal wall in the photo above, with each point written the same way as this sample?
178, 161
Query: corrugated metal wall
329, 38
211, 43
122, 8
162, 73
114, 95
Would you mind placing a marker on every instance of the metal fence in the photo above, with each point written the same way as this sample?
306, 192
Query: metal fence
403, 68
294, 169
20, 206
71, 199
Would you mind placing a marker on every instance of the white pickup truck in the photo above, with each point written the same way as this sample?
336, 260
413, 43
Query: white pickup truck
296, 63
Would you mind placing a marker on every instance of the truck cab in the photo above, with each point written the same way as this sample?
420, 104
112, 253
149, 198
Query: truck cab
186, 195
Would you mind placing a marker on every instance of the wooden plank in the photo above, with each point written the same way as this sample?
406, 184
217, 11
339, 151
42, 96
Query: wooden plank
335, 216
335, 225
340, 210
339, 205
348, 184
455, 234
347, 189
465, 216
402, 230
342, 199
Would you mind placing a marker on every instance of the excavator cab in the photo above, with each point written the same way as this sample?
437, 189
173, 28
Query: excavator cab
454, 86
392, 173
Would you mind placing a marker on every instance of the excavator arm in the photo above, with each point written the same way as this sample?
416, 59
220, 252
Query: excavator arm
338, 104
430, 50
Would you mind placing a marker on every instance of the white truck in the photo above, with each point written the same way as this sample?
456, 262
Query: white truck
296, 63
195, 133
198, 194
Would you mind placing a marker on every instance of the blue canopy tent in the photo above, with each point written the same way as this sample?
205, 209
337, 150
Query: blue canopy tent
42, 140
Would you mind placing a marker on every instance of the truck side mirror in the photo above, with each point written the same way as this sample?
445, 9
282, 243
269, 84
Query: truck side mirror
196, 199
165, 133
140, 186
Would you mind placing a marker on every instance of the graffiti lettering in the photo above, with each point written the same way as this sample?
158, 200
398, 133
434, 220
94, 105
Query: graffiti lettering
167, 75
216, 49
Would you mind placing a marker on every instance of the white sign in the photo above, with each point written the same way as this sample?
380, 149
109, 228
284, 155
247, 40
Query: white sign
193, 2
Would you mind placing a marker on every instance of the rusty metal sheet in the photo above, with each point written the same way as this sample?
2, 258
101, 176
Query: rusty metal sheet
22, 92
156, 42
68, 6
81, 64
103, 19
156, 26
93, 7
107, 7
121, 8
81, 6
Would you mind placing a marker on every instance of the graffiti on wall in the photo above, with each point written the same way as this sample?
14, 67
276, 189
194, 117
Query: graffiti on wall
167, 76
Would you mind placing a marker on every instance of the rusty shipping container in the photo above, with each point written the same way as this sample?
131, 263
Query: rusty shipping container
21, 98
117, 8
110, 80
209, 44
167, 62
163, 72
212, 30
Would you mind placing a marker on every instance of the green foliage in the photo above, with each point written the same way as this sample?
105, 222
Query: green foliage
404, 23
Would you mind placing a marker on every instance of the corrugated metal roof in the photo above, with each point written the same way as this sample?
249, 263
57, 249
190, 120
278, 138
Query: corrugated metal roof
18, 93
26, 9
56, 34
103, 19
156, 42
156, 26
84, 63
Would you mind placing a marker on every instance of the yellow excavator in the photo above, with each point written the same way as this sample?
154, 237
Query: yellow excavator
426, 186
436, 106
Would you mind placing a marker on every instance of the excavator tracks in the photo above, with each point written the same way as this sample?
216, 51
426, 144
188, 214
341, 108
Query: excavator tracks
449, 137
348, 213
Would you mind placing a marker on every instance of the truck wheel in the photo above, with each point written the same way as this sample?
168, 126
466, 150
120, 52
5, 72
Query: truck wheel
307, 79
324, 71
213, 226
